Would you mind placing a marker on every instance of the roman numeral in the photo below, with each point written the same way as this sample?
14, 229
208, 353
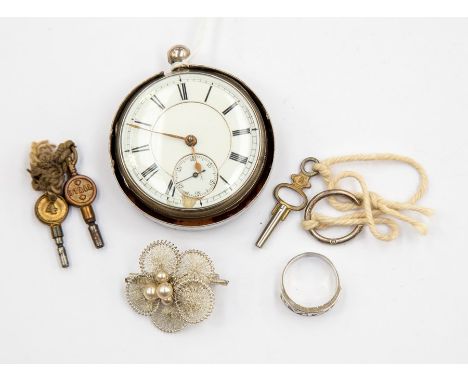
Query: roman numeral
182, 91
150, 171
170, 187
138, 149
157, 102
235, 133
238, 158
142, 123
208, 94
230, 108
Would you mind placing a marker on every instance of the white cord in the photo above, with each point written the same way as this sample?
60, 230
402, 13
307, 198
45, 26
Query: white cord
203, 36
202, 39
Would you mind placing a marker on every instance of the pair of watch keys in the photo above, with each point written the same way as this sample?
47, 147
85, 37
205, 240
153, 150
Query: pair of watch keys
79, 191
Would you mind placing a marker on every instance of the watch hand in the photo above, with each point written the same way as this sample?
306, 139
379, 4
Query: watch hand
157, 132
171, 135
194, 175
198, 166
190, 140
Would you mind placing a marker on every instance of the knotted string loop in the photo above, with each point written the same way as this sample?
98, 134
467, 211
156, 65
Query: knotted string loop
373, 210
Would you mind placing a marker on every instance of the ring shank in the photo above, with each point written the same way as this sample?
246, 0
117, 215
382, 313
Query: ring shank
309, 310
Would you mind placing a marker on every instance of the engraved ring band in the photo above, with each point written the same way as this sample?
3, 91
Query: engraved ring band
309, 310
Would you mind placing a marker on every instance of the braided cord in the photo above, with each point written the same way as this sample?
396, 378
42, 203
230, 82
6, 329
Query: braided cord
48, 166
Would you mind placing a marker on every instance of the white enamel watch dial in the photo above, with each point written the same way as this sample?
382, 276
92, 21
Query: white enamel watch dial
191, 146
189, 104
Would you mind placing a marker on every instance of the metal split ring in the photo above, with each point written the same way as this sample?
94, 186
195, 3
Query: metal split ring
310, 310
325, 194
305, 162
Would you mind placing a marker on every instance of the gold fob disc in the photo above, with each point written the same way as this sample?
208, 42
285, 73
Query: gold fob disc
80, 191
50, 212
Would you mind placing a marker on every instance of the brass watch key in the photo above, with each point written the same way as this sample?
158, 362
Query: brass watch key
52, 210
282, 207
80, 191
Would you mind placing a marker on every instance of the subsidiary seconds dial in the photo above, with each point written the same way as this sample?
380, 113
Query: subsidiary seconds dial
195, 176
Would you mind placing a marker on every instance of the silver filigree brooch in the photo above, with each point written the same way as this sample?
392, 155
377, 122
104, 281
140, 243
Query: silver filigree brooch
173, 288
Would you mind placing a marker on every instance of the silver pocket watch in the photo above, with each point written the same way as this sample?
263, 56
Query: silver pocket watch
191, 147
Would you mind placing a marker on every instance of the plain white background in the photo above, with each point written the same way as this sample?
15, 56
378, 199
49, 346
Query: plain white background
332, 87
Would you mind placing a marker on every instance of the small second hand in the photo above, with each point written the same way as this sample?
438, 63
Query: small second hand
194, 175
198, 166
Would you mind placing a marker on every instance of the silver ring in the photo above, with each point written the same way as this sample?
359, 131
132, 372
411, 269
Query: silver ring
309, 310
